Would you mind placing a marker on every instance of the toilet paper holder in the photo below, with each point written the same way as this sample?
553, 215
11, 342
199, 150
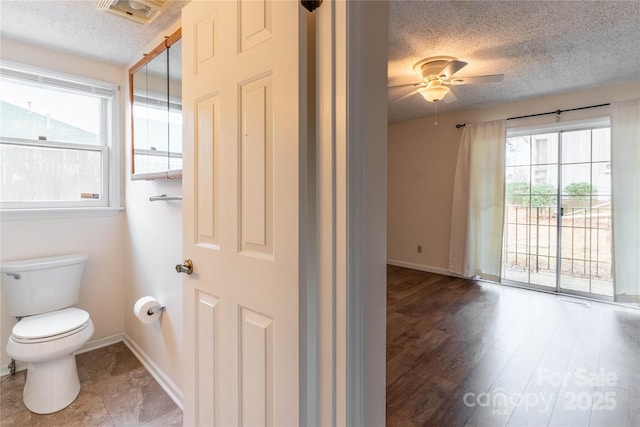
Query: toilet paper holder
156, 309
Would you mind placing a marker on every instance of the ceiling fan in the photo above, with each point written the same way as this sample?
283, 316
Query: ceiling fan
437, 74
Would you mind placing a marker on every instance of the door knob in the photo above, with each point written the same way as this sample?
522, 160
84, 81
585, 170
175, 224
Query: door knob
187, 267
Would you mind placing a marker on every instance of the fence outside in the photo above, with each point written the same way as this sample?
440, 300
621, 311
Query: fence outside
531, 246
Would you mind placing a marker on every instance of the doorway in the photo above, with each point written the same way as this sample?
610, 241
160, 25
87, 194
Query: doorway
558, 228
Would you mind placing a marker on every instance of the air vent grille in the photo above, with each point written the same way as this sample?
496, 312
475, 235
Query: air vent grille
141, 11
105, 4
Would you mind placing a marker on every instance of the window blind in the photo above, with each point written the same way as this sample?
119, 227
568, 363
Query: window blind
73, 84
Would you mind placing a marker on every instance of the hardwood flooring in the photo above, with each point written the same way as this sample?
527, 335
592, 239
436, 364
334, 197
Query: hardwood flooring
116, 390
470, 353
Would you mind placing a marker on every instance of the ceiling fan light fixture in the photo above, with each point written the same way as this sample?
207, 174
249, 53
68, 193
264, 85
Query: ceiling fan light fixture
434, 93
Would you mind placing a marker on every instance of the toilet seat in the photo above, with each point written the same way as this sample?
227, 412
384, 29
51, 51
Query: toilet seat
50, 326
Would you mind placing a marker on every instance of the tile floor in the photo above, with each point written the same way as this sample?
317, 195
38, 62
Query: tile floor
116, 390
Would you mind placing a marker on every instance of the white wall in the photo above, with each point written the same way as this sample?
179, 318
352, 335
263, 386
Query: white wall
102, 293
132, 254
422, 161
154, 247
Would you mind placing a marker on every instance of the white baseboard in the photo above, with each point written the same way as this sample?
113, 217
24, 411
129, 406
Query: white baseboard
165, 382
91, 345
100, 343
427, 268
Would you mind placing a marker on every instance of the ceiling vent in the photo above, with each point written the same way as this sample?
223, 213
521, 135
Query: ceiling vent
141, 11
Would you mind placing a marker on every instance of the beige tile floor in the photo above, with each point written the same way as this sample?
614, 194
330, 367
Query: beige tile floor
116, 390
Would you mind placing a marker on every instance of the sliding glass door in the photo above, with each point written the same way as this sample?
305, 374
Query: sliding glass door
557, 232
585, 212
531, 230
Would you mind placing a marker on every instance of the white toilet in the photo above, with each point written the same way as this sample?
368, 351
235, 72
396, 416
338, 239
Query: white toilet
41, 292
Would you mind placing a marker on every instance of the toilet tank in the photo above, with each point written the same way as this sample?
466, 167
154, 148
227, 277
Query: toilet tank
41, 285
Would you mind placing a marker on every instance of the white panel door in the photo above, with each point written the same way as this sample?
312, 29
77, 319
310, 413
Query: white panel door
243, 120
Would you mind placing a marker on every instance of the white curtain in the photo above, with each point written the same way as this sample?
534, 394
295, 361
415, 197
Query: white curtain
625, 172
475, 247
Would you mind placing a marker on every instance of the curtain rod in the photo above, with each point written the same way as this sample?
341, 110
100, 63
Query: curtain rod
557, 112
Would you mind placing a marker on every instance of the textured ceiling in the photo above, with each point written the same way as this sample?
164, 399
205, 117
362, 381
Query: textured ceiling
77, 27
541, 47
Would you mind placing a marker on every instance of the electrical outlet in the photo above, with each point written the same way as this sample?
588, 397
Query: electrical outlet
419, 249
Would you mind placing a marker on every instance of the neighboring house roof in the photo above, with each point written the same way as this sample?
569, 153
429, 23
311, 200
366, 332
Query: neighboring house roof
19, 122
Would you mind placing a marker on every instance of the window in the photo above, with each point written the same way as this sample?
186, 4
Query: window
56, 140
558, 222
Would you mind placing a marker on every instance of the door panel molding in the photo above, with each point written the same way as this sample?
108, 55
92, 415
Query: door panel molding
206, 323
257, 369
255, 24
256, 167
207, 43
206, 146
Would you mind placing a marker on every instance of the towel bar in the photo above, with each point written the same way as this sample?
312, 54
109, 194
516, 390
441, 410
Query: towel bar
164, 197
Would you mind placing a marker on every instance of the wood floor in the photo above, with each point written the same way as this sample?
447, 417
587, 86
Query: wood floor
116, 390
462, 352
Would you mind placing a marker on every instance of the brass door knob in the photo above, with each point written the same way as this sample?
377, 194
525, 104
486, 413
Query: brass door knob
187, 267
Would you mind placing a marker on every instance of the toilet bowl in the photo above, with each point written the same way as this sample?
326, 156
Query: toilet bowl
40, 292
48, 342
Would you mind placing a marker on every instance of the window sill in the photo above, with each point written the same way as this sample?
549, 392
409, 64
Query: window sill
53, 213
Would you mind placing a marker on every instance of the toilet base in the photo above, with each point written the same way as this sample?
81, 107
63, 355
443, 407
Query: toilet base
51, 386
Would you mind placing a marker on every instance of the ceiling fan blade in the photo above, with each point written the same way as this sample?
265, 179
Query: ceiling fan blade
449, 97
405, 85
493, 78
413, 92
451, 68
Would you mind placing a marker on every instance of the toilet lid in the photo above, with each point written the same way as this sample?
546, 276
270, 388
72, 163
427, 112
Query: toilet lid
50, 324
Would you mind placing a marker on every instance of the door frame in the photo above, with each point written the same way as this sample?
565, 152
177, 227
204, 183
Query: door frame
343, 295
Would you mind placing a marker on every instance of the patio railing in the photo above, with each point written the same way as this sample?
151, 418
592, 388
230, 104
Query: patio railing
531, 240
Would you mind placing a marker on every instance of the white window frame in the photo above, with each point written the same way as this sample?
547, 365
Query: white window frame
109, 147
